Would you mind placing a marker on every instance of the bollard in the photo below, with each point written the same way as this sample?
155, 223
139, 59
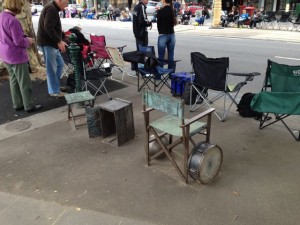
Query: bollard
74, 50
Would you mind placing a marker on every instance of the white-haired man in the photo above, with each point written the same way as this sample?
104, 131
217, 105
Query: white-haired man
49, 39
140, 23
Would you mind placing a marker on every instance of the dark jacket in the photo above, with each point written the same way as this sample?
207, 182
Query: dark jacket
140, 21
165, 20
205, 13
49, 28
80, 37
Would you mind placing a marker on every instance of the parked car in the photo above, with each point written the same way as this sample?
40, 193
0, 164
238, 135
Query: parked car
158, 6
151, 7
194, 8
36, 8
76, 6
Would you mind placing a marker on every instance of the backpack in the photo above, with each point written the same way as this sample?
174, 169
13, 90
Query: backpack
151, 63
244, 107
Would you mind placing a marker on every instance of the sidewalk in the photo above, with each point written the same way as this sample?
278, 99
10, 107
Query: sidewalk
53, 174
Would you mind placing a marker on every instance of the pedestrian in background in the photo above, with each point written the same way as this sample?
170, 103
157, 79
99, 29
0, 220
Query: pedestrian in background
110, 12
243, 18
49, 39
204, 15
177, 6
13, 44
80, 38
105, 5
257, 18
166, 21
140, 23
232, 16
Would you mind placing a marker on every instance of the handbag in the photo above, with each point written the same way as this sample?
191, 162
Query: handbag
151, 63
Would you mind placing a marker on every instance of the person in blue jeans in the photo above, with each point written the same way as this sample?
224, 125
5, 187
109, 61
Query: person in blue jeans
205, 15
166, 21
49, 40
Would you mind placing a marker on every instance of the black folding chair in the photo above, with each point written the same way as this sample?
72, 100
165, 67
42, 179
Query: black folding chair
212, 74
296, 23
93, 78
269, 20
68, 66
154, 74
284, 21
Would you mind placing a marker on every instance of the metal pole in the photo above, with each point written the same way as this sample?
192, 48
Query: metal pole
74, 50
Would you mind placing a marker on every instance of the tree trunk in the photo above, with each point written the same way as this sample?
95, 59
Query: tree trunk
96, 6
25, 19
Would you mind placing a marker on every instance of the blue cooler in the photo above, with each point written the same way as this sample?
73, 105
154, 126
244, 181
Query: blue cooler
178, 81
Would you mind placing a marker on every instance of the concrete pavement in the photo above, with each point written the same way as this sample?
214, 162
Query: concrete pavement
272, 35
53, 174
206, 30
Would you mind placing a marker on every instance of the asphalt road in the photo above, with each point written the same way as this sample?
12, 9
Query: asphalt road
246, 55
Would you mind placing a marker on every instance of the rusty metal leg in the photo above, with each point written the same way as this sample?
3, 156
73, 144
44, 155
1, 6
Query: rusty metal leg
69, 110
186, 152
166, 150
147, 147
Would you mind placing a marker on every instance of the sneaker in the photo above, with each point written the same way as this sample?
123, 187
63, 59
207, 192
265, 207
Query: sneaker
19, 109
58, 95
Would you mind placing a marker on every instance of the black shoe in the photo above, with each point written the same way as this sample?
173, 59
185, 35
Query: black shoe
63, 89
19, 109
34, 109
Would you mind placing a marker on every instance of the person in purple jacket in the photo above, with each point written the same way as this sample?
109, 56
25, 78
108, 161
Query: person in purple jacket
13, 44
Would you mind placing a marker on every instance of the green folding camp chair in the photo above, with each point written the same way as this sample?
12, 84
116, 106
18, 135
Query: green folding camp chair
280, 95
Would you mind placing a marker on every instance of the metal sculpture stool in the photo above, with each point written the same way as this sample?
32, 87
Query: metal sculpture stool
117, 120
174, 125
79, 97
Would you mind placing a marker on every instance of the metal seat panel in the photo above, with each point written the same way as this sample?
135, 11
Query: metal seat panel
171, 125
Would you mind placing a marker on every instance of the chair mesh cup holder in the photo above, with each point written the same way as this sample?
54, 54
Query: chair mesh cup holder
205, 162
107, 67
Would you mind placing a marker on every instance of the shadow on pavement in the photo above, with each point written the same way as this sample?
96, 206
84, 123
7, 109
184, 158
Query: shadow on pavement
40, 96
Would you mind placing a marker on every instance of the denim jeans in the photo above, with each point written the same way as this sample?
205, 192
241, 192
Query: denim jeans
166, 41
54, 68
200, 20
143, 41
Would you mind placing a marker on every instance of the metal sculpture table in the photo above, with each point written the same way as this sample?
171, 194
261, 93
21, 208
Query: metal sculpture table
117, 118
78, 97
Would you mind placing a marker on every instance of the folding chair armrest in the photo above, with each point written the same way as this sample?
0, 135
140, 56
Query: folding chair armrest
148, 110
252, 74
188, 122
165, 61
249, 76
121, 48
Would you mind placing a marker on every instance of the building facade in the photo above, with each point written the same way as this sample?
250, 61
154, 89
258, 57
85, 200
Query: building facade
292, 6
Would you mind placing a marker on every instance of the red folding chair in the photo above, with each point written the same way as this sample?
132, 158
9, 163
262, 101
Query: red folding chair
98, 44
